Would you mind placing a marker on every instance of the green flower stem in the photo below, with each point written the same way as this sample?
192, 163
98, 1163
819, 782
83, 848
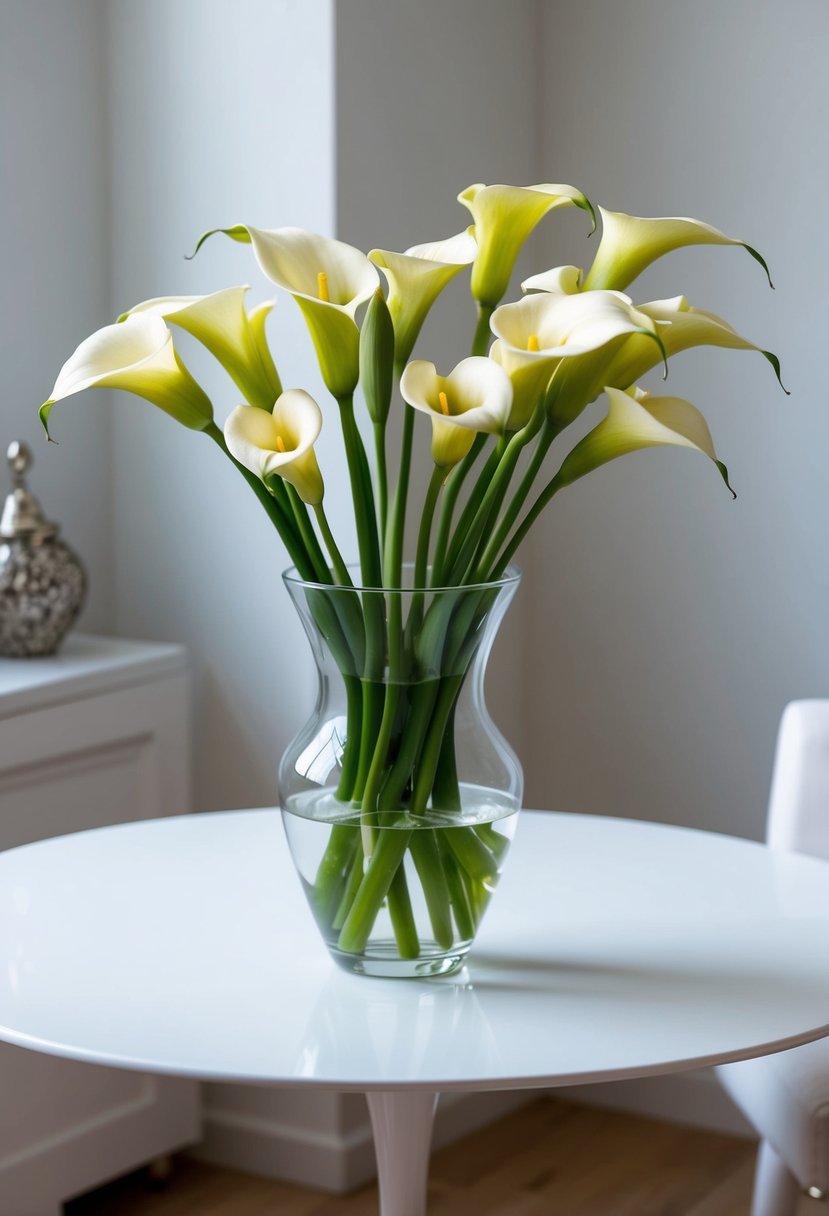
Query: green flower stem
388, 854
480, 343
472, 854
426, 857
456, 888
402, 916
494, 494
469, 512
280, 516
309, 536
505, 557
393, 554
351, 751
374, 701
499, 536
424, 535
352, 886
421, 566
337, 564
454, 485
339, 854
382, 478
367, 538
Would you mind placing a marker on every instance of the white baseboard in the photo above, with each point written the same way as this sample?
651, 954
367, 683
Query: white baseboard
695, 1099
338, 1162
331, 1162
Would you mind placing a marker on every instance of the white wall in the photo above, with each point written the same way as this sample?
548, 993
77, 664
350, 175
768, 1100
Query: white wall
216, 117
53, 286
670, 626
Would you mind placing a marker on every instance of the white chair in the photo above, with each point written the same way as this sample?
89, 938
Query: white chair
786, 1096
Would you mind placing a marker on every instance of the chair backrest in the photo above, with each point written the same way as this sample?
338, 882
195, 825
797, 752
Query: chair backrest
798, 818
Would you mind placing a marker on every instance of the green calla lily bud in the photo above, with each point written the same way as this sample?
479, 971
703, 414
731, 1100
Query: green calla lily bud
136, 355
377, 358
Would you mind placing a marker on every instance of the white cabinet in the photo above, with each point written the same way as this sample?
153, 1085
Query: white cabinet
99, 734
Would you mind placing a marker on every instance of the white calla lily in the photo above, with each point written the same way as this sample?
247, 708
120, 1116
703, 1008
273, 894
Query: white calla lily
136, 355
504, 216
680, 326
541, 330
329, 281
630, 243
233, 335
474, 398
635, 421
564, 280
416, 278
281, 443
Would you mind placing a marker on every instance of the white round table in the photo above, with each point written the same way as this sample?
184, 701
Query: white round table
613, 949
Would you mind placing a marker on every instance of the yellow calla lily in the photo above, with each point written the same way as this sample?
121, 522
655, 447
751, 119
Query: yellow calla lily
540, 331
565, 280
136, 355
474, 398
630, 243
504, 216
416, 278
281, 443
233, 335
635, 421
329, 281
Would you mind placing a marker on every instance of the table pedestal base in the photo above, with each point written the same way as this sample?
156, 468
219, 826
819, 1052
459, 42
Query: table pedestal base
402, 1124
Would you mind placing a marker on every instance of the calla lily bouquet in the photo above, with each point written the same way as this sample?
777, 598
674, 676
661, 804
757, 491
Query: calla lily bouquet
535, 364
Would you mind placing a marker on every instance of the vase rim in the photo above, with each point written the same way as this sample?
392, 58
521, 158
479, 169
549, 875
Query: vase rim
510, 578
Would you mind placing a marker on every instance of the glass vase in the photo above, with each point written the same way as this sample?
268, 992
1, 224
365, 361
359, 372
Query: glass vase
400, 796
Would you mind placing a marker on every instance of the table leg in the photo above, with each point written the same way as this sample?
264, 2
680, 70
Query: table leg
402, 1123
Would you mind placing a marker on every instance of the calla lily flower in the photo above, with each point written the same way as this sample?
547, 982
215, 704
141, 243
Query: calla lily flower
233, 335
565, 280
138, 356
416, 278
474, 398
281, 443
504, 216
329, 281
634, 421
680, 326
630, 243
538, 332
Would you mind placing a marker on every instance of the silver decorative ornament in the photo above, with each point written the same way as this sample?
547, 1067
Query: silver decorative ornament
42, 582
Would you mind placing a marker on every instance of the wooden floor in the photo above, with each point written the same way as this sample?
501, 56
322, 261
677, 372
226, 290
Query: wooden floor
548, 1158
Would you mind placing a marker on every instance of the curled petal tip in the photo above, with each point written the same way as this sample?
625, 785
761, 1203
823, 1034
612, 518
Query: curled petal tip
775, 363
758, 257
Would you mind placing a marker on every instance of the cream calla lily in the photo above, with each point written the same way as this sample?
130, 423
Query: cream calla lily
474, 398
138, 356
541, 330
635, 421
630, 243
565, 280
329, 281
233, 335
281, 443
416, 278
680, 326
504, 216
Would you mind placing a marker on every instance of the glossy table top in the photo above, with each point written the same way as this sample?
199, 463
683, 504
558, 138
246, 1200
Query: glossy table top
612, 949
